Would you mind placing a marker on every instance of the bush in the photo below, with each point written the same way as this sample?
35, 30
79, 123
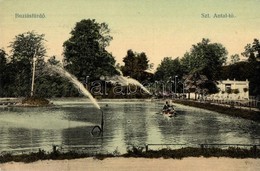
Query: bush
35, 101
235, 91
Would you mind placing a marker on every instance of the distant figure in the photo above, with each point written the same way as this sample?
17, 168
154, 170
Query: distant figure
166, 106
168, 109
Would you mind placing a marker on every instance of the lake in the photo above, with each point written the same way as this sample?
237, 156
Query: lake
126, 122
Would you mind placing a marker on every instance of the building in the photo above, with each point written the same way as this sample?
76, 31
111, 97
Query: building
232, 90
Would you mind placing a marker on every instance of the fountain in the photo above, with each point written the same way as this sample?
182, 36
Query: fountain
62, 72
125, 81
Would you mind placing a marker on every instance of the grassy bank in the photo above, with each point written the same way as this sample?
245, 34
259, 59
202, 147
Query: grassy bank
137, 152
231, 152
231, 111
35, 101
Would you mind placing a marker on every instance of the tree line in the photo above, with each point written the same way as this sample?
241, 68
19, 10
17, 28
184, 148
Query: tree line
206, 63
86, 57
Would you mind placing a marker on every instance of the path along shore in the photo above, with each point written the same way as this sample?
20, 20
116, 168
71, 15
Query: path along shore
245, 113
137, 164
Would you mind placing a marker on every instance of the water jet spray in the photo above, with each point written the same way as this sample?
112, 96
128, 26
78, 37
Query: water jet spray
83, 90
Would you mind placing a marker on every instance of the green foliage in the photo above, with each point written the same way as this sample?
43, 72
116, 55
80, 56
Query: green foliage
252, 52
239, 71
85, 53
245, 90
246, 69
3, 71
194, 152
135, 65
53, 61
24, 48
3, 59
205, 58
35, 101
234, 58
188, 63
130, 64
168, 69
200, 84
51, 84
54, 86
229, 91
17, 73
136, 151
235, 91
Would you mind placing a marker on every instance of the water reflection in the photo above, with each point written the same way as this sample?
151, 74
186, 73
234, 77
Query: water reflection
126, 123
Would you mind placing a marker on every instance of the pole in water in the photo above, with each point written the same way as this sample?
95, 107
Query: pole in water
102, 121
101, 127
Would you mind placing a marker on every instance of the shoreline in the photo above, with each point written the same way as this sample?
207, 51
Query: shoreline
140, 164
139, 152
227, 110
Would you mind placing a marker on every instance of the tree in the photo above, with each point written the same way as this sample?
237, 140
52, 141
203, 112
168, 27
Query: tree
187, 63
142, 62
85, 53
3, 74
168, 68
197, 83
205, 58
234, 58
3, 59
51, 84
129, 60
135, 65
239, 71
24, 48
252, 52
53, 61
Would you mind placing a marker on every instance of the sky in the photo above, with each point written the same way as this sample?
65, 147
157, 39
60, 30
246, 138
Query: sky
160, 28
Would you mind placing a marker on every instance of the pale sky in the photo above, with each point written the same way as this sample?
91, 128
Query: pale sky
160, 28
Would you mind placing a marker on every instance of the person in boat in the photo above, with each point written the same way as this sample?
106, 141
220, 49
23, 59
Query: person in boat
166, 107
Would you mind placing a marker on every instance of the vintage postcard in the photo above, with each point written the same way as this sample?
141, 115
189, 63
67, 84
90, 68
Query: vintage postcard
129, 85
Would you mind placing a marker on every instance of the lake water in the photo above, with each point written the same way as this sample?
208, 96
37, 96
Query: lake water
127, 122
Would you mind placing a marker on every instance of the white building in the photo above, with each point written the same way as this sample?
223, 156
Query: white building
232, 89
